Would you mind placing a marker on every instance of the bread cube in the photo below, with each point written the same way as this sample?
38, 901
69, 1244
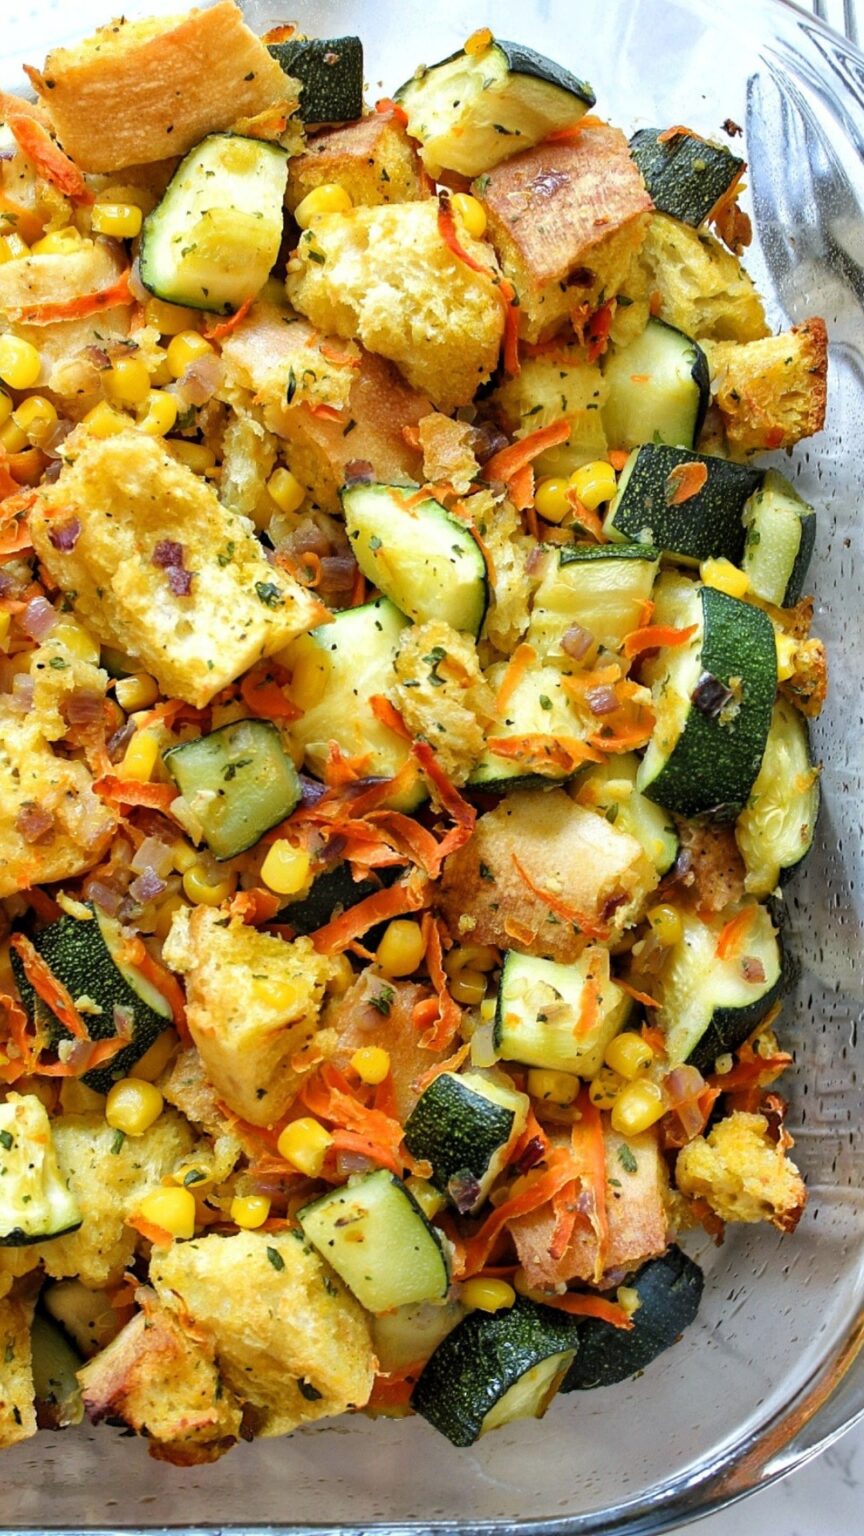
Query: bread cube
743, 1173
17, 1412
773, 392
373, 160
695, 284
561, 383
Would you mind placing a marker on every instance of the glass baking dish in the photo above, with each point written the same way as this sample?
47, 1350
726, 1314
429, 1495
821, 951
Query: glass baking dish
770, 1373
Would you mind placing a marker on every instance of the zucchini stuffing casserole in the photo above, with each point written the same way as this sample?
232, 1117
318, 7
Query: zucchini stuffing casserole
404, 672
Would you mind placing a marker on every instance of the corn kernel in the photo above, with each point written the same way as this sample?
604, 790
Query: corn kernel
469, 988
12, 438
5, 626
304, 1143
250, 1211
122, 221
628, 1054
154, 1061
429, 1199
725, 577
160, 414
604, 1088
172, 1209
481, 1295
196, 456
666, 925
282, 996
401, 949
371, 1063
20, 363
204, 892
185, 348
170, 319
787, 648
471, 212
60, 242
550, 499
628, 1297
75, 639
36, 417
555, 1087
127, 192
594, 483
183, 856
5, 407
637, 1107
286, 490
341, 975
165, 914
127, 381
104, 421
285, 869
474, 957
140, 758
309, 666
12, 248
328, 198
139, 691
133, 1105
523, 1286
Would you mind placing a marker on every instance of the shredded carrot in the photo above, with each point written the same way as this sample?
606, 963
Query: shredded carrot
624, 738
557, 905
337, 358
774, 437
580, 683
677, 131
149, 1230
507, 299
329, 1095
254, 906
588, 1149
326, 412
463, 814
533, 1132
539, 1191
442, 1031
8, 486
733, 933
505, 464
478, 42
654, 1036
520, 932
341, 770
264, 696
564, 135
14, 537
656, 635
617, 458
655, 302
521, 491
504, 291
586, 519
157, 797
79, 308
597, 330
450, 1063
137, 954
391, 1390
518, 665
224, 328
358, 589
34, 141
389, 715
377, 908
646, 613
46, 985
639, 997
579, 1304
45, 907
540, 753
387, 105
565, 1208
684, 482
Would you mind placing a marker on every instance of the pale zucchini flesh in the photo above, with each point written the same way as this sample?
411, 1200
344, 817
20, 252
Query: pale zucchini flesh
659, 389
708, 1004
776, 827
537, 1019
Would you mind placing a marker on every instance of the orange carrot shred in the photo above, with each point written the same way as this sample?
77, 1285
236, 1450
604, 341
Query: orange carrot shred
34, 141
84, 304
149, 1230
224, 328
518, 665
264, 696
377, 908
521, 489
677, 131
684, 482
733, 933
557, 905
639, 997
450, 1063
579, 1304
254, 906
131, 792
48, 987
504, 464
387, 105
656, 635
588, 1149
389, 715
589, 1003
541, 1189
441, 1032
540, 753
617, 458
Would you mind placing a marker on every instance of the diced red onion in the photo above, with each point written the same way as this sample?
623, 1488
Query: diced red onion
38, 618
52, 473
179, 580
8, 152
576, 641
199, 382
532, 1154
337, 573
167, 553
22, 692
310, 790
84, 706
487, 440
65, 535
7, 583
352, 1162
34, 823
56, 438
536, 560
358, 472
305, 540
153, 854
752, 969
104, 896
147, 886
98, 357
711, 695
116, 745
464, 1190
681, 1090
602, 700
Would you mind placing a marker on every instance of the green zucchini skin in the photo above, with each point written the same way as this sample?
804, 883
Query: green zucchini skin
577, 554
781, 533
705, 526
659, 389
686, 177
330, 70
461, 1127
708, 1006
481, 1359
670, 1290
57, 1395
729, 1028
334, 888
527, 61
78, 955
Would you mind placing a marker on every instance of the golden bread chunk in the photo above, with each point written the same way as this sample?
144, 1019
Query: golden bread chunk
743, 1173
692, 282
772, 392
373, 160
17, 1411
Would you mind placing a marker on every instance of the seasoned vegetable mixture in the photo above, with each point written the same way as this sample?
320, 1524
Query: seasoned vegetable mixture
404, 682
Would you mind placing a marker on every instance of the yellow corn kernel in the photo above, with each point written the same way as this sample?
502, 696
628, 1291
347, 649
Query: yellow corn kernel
154, 1061
556, 1087
195, 1176
401, 949
104, 421
75, 639
250, 1211
140, 758
474, 957
165, 914
160, 414
5, 407
20, 363
60, 242
133, 1105
127, 381
36, 417
628, 1297
523, 1286
328, 198
666, 925
196, 456
285, 869
628, 1054
203, 892
371, 1063
12, 248
185, 348
787, 647
429, 1199
309, 666
604, 1088
469, 988
12, 438
172, 1209
636, 1107
139, 691
120, 220
550, 499
725, 577
471, 212
183, 856
5, 625
282, 996
170, 319
481, 1295
341, 975
127, 192
286, 490
594, 483
304, 1143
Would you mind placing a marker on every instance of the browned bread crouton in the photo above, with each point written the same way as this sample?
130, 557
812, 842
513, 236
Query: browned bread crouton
715, 878
355, 1020
566, 220
373, 160
773, 392
142, 90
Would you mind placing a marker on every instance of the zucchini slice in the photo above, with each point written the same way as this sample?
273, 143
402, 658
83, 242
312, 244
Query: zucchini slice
239, 782
710, 1005
780, 534
334, 889
538, 707
776, 827
659, 389
330, 69
375, 1236
57, 1395
419, 556
494, 1368
670, 1290
601, 587
539, 1008
213, 237
465, 1126
36, 1203
359, 645
87, 955
713, 699
473, 110
408, 1334
610, 787
704, 526
86, 1317
686, 176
